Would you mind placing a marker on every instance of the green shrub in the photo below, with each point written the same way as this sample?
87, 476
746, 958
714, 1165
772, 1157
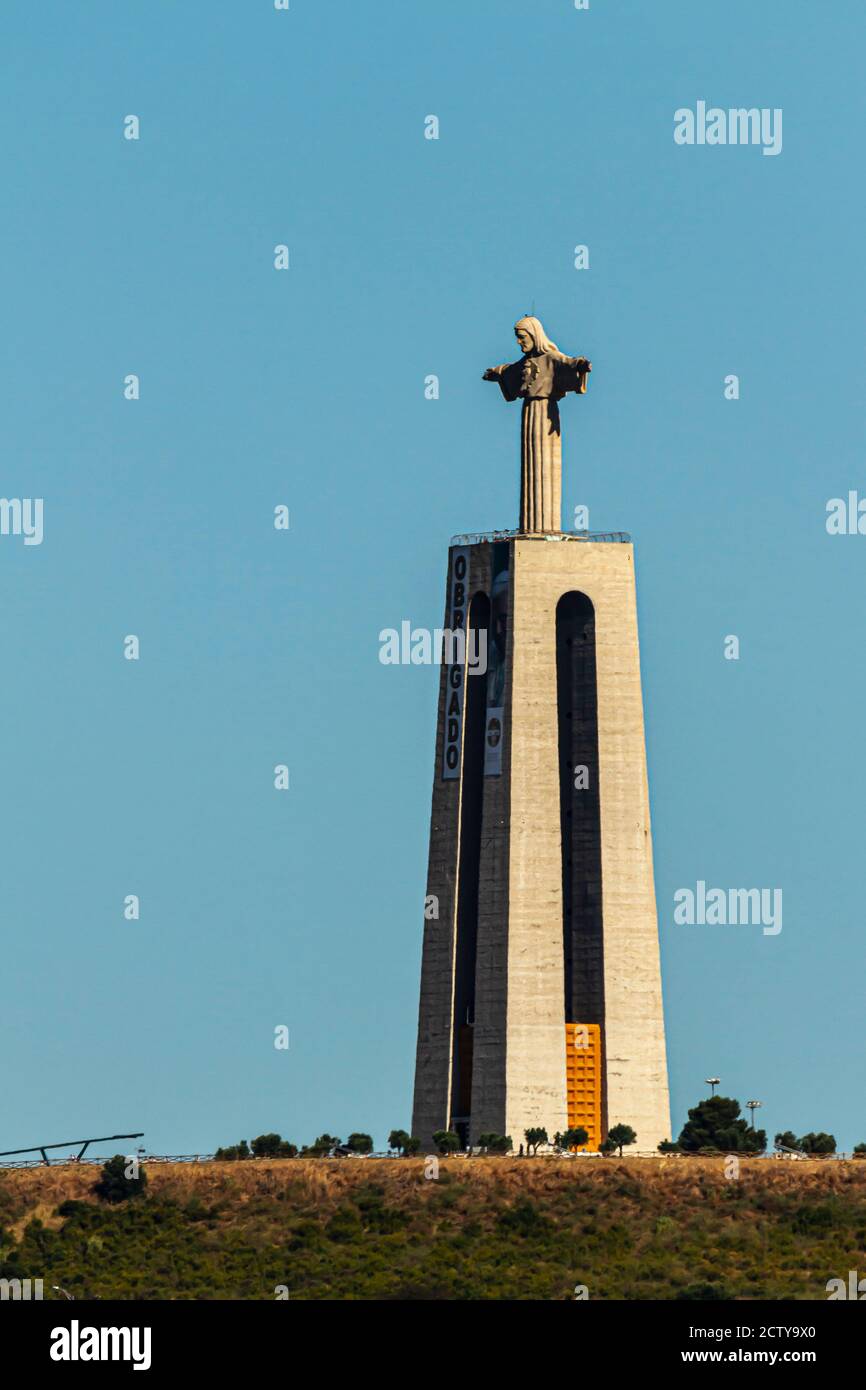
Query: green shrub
446, 1141
273, 1146
716, 1124
121, 1179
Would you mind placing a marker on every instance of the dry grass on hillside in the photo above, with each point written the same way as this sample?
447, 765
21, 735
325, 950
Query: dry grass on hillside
489, 1228
327, 1182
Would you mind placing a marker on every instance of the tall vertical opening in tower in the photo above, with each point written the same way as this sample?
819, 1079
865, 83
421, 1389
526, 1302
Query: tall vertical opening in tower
580, 823
469, 864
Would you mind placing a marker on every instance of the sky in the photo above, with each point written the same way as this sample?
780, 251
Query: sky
408, 257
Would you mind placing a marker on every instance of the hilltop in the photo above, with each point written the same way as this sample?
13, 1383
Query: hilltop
488, 1228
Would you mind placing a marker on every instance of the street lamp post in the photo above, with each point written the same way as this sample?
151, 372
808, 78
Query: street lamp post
713, 1082
753, 1105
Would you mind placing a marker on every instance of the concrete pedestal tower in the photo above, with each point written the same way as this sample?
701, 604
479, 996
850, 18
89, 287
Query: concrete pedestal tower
541, 999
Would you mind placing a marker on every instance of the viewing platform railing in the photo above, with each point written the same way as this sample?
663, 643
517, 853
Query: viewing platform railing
488, 537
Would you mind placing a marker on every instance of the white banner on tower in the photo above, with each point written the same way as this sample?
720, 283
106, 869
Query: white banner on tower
455, 659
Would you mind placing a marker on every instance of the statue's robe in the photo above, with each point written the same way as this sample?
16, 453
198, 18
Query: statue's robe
541, 379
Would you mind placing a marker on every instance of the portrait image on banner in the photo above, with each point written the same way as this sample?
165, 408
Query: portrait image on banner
496, 647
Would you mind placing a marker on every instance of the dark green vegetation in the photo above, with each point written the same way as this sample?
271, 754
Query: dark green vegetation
571, 1139
446, 1141
405, 1144
716, 1124
486, 1228
121, 1179
533, 1138
621, 1136
808, 1144
495, 1143
265, 1146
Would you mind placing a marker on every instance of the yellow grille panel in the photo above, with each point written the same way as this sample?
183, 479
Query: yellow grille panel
583, 1079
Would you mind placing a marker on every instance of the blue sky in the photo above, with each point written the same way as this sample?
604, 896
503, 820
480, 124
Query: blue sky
306, 387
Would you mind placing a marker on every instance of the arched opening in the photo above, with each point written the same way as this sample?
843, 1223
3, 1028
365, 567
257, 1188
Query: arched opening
580, 823
469, 863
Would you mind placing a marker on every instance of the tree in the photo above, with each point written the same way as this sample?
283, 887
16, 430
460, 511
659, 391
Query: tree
571, 1139
266, 1145
322, 1147
859, 1151
817, 1143
607, 1146
621, 1135
405, 1144
120, 1179
446, 1141
273, 1146
360, 1143
234, 1152
666, 1147
716, 1124
534, 1137
808, 1144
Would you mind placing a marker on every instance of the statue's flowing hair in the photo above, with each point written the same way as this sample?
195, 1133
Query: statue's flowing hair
540, 340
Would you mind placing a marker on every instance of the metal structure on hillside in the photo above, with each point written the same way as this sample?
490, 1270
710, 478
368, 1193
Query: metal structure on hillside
69, 1144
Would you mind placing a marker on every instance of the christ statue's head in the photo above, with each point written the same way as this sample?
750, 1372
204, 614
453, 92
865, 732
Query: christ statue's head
531, 336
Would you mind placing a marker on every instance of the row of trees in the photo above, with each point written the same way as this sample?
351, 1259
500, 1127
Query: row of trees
446, 1141
617, 1139
273, 1146
810, 1143
714, 1125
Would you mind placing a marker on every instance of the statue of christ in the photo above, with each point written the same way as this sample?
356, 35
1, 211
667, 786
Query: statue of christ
542, 376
